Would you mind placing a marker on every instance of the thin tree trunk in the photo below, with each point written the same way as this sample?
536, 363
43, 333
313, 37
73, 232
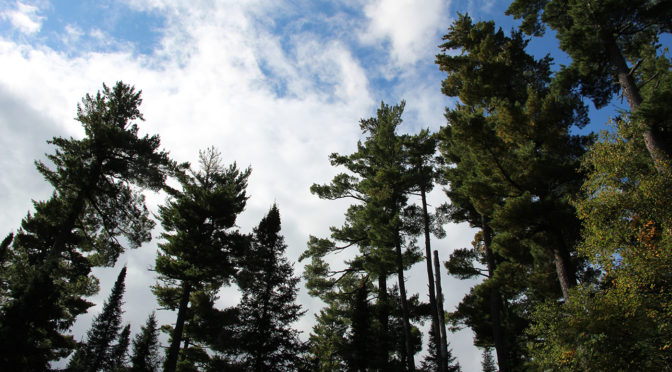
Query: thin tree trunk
654, 143
441, 313
383, 319
410, 362
430, 274
174, 349
495, 301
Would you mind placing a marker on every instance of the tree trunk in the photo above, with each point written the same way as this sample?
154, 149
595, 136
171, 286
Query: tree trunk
441, 313
410, 362
495, 301
654, 143
174, 349
432, 291
383, 319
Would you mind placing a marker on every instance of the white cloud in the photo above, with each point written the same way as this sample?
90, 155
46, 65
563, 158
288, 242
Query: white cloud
411, 27
219, 76
24, 18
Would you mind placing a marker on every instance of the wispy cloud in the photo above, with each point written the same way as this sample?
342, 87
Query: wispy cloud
24, 18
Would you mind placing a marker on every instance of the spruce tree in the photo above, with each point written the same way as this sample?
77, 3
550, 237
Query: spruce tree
96, 200
488, 362
119, 353
268, 306
146, 356
200, 244
96, 352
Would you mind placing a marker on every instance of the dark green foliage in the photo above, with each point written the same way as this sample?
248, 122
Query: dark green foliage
378, 182
200, 243
488, 362
513, 167
433, 357
268, 308
614, 45
145, 356
119, 353
95, 202
96, 352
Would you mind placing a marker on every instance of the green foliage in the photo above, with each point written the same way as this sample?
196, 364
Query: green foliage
96, 353
145, 357
266, 340
201, 245
119, 353
512, 166
624, 323
96, 201
378, 181
488, 362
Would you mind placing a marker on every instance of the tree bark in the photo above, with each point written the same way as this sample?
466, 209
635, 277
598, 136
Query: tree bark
653, 141
432, 291
383, 319
495, 300
441, 313
410, 362
174, 349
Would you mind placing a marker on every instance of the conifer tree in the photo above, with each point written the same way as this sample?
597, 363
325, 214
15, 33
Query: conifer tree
268, 306
614, 46
379, 183
146, 356
433, 359
488, 362
96, 200
96, 352
119, 353
513, 167
200, 243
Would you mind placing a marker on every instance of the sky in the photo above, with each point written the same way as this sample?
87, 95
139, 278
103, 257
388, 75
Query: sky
277, 85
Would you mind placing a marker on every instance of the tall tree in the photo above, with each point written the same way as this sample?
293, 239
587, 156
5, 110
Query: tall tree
614, 45
513, 166
146, 356
200, 243
96, 352
623, 322
379, 183
96, 200
268, 306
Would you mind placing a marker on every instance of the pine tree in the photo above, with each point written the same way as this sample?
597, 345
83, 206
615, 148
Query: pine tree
614, 46
96, 201
268, 306
513, 166
200, 243
95, 354
379, 183
145, 356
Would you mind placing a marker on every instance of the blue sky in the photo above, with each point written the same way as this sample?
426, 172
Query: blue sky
275, 84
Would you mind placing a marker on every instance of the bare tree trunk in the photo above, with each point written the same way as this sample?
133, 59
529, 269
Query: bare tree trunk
441, 314
495, 301
173, 351
383, 319
430, 274
410, 362
654, 143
